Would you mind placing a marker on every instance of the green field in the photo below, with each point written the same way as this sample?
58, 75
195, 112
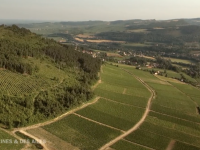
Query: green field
122, 98
113, 114
81, 133
149, 139
175, 100
185, 61
173, 116
116, 108
125, 145
8, 142
192, 92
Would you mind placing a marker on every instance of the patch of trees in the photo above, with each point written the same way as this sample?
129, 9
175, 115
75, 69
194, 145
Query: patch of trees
63, 35
167, 64
192, 29
21, 111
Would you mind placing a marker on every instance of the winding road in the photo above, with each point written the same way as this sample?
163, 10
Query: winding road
136, 126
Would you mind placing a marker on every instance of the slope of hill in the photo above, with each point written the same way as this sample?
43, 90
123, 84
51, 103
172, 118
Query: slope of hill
40, 78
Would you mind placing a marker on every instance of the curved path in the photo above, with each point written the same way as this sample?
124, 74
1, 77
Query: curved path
140, 121
56, 119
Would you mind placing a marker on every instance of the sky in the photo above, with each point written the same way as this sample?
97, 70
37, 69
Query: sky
106, 10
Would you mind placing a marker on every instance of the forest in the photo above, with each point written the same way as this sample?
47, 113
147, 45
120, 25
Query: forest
18, 45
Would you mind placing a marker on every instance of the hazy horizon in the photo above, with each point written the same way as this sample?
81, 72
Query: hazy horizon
105, 10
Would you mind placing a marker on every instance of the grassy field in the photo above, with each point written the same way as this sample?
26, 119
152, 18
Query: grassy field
113, 114
81, 133
129, 45
192, 92
8, 142
185, 61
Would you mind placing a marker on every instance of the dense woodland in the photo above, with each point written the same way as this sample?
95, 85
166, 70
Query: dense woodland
19, 43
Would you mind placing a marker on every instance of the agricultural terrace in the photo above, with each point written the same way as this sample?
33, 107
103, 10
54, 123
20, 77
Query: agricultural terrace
121, 105
17, 84
190, 91
81, 133
173, 121
9, 145
127, 145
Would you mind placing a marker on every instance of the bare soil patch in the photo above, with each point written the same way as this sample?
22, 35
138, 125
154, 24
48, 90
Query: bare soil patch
124, 92
171, 145
80, 40
109, 148
113, 54
84, 36
105, 41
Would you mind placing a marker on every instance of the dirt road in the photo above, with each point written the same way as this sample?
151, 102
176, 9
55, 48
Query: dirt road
36, 139
140, 121
56, 119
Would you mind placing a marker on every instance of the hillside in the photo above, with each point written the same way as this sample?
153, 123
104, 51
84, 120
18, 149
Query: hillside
40, 78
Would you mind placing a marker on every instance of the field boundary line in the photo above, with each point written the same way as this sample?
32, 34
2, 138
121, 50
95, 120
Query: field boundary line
179, 90
102, 124
175, 117
138, 144
170, 137
196, 136
137, 125
107, 99
122, 93
185, 95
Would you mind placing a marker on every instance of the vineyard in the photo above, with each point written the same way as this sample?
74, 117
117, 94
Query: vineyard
114, 113
16, 84
173, 117
172, 121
